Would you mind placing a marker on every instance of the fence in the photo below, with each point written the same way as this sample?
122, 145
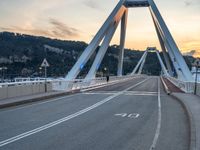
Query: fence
187, 87
14, 89
30, 87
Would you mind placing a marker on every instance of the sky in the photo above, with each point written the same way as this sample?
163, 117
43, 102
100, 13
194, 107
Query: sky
80, 20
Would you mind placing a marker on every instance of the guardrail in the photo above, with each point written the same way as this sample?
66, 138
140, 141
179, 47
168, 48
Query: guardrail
14, 89
187, 87
59, 85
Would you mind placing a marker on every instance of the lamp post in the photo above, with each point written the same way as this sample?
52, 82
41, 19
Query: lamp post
2, 69
197, 63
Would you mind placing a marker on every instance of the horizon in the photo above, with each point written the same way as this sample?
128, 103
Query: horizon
183, 20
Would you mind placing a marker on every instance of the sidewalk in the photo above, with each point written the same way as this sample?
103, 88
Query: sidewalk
192, 104
4, 103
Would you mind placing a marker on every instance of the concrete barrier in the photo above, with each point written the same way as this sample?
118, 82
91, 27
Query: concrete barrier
10, 91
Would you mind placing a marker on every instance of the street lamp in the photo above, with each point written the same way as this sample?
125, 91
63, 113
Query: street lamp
196, 64
2, 72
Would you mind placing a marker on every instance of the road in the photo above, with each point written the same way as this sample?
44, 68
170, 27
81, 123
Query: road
131, 115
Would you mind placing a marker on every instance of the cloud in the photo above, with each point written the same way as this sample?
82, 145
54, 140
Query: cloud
192, 2
191, 53
57, 29
188, 2
92, 4
194, 53
62, 30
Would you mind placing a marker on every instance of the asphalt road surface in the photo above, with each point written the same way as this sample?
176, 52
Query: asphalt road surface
131, 115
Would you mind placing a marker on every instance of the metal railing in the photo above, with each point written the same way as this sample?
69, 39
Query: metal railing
59, 85
186, 86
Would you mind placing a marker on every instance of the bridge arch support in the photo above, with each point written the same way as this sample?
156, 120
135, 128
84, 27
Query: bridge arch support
106, 32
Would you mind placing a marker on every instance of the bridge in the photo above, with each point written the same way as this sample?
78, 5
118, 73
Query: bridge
133, 111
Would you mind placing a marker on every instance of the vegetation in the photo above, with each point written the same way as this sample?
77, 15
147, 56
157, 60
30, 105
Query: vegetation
23, 55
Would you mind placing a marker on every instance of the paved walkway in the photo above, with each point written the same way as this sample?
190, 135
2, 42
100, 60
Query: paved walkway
192, 104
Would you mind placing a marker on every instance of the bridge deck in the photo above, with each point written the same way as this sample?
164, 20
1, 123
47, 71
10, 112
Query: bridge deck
121, 116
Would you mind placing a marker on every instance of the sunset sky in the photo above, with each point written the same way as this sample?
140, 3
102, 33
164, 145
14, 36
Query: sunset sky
81, 19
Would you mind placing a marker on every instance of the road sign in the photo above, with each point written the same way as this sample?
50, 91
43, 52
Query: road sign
45, 63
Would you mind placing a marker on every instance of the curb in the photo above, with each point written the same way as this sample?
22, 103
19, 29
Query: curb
165, 86
192, 132
31, 100
192, 127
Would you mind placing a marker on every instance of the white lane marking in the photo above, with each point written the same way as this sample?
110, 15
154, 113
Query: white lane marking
133, 115
98, 93
134, 94
142, 92
52, 124
121, 115
159, 120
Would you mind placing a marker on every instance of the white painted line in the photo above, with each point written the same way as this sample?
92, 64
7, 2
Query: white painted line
52, 124
135, 94
97, 93
133, 115
159, 120
121, 115
142, 92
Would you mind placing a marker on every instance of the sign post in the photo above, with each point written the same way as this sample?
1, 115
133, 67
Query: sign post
196, 64
45, 64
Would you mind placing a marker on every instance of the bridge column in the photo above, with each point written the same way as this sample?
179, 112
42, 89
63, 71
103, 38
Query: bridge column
170, 51
178, 57
142, 64
95, 42
139, 63
122, 43
102, 51
162, 64
162, 45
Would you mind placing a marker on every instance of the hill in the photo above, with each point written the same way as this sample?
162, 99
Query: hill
23, 55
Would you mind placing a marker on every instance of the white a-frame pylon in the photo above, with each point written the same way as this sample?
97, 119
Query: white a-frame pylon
107, 31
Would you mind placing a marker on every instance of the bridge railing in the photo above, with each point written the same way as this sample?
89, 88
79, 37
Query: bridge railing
15, 89
187, 87
59, 85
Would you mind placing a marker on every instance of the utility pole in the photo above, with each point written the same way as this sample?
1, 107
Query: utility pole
197, 63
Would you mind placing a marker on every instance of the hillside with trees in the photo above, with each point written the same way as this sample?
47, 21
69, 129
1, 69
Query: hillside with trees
23, 55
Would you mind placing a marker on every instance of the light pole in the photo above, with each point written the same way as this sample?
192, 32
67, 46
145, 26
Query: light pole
197, 63
2, 73
1, 69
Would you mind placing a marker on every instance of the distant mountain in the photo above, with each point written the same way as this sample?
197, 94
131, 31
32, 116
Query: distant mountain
23, 55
